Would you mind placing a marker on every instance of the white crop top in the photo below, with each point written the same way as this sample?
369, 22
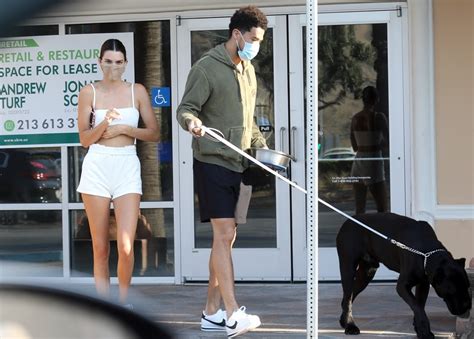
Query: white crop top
129, 115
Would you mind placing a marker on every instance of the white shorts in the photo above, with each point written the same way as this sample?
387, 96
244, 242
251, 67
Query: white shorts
110, 171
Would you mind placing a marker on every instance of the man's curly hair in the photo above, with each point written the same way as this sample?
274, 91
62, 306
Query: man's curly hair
245, 18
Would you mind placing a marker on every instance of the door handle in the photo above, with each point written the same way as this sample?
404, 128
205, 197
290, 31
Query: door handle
282, 137
293, 143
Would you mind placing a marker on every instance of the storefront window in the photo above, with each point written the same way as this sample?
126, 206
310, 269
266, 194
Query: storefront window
31, 243
152, 69
153, 246
30, 175
31, 240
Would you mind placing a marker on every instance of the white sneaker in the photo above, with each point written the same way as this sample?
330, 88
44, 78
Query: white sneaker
240, 322
213, 322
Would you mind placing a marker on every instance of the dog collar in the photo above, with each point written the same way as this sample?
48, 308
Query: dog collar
426, 255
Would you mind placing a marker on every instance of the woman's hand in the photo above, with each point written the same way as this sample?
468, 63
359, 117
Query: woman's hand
111, 115
113, 131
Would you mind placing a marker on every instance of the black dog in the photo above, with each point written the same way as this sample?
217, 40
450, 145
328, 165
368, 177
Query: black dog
360, 252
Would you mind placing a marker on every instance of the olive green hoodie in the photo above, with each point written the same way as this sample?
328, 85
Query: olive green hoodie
222, 98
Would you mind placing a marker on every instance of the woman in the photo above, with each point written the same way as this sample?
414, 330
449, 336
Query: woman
108, 114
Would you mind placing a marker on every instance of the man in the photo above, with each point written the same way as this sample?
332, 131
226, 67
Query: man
220, 93
369, 138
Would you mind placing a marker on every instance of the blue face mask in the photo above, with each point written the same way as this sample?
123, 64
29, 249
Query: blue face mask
249, 51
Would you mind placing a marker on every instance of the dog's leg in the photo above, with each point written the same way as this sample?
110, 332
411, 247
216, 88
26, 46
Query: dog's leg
422, 324
346, 321
364, 275
421, 294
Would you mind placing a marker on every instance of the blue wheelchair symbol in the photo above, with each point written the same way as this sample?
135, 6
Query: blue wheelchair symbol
160, 97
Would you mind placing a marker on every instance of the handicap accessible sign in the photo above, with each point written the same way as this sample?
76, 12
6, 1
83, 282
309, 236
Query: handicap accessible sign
160, 97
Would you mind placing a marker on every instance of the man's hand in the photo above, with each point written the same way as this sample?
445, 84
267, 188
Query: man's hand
194, 127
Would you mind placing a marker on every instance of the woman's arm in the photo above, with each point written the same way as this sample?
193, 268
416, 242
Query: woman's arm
88, 136
150, 131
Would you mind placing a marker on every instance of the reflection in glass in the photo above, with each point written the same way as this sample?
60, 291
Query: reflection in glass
153, 246
260, 229
30, 175
351, 58
32, 242
369, 138
152, 55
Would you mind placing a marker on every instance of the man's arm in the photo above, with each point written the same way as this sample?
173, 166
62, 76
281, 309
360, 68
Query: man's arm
195, 95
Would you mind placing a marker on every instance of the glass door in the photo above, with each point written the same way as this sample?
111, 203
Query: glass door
360, 123
262, 247
297, 80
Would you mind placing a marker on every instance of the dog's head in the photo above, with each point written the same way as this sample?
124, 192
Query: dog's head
451, 283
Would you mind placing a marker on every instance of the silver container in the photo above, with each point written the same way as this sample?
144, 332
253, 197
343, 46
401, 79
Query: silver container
274, 159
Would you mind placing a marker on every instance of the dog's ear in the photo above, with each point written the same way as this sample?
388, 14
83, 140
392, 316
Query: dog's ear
461, 262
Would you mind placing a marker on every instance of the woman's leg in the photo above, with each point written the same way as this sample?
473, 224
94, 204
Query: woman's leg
98, 212
126, 213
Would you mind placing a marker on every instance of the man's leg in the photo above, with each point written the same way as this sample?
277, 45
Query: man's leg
360, 195
221, 268
213, 293
379, 192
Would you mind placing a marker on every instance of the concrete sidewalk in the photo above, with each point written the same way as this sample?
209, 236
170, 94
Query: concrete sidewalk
379, 312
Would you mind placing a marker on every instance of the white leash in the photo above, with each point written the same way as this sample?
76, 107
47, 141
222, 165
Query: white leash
215, 135
248, 156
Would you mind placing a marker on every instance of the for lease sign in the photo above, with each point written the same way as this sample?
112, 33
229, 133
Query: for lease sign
40, 79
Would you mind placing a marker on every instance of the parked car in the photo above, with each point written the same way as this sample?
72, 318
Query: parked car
29, 176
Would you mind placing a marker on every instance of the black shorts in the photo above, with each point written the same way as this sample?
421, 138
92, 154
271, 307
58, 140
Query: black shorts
218, 190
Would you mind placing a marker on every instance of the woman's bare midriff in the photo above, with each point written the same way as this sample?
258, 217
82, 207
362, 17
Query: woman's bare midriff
118, 141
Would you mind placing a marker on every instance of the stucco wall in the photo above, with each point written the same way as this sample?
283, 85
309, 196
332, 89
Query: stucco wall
454, 91
324, 2
453, 33
459, 243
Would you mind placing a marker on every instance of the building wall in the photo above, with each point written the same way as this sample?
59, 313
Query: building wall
454, 88
85, 7
460, 243
453, 35
324, 2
